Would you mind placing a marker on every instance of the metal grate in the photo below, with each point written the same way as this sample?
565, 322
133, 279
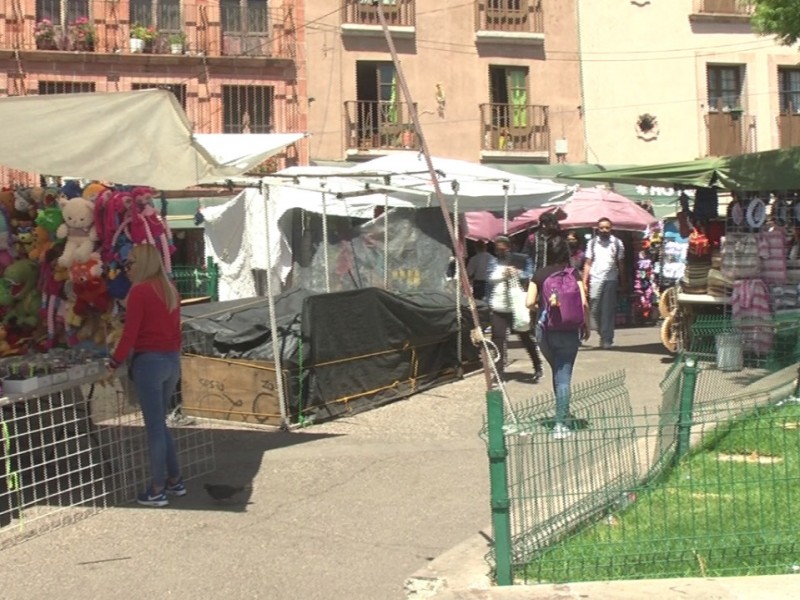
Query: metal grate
72, 452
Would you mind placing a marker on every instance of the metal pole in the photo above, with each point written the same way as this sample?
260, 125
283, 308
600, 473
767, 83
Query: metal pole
505, 208
686, 407
325, 240
412, 110
498, 485
212, 283
273, 321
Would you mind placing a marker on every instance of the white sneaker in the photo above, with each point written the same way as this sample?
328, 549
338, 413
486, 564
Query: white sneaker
561, 432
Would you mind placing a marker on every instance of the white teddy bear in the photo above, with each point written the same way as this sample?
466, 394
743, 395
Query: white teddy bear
78, 228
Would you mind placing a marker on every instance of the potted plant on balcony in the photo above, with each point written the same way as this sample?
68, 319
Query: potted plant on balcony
81, 34
142, 38
46, 35
177, 41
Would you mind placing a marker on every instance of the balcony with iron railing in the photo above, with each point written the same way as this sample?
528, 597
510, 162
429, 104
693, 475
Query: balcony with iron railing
374, 127
724, 11
364, 14
509, 21
102, 26
511, 131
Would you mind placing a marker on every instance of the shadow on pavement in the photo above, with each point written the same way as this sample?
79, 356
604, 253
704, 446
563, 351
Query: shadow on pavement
239, 455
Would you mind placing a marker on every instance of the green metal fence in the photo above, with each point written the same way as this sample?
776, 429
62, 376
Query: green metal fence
708, 486
197, 282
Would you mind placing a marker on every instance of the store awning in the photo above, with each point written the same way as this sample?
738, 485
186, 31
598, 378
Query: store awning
663, 197
136, 138
768, 170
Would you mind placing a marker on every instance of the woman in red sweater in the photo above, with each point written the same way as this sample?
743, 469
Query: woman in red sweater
152, 338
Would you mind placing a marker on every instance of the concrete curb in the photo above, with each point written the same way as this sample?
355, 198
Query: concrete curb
461, 573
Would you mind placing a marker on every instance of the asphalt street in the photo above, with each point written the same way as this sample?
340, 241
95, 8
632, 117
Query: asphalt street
340, 510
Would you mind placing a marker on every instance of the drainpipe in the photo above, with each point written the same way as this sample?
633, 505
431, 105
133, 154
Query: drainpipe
582, 113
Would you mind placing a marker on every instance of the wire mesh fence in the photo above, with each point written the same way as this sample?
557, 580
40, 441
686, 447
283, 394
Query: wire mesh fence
707, 486
71, 451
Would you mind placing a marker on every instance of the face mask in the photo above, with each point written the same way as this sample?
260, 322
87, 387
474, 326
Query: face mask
605, 234
573, 245
502, 253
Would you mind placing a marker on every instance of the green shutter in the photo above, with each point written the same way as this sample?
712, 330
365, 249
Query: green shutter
518, 95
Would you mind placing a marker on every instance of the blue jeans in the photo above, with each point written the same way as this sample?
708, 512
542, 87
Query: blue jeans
155, 378
604, 308
560, 349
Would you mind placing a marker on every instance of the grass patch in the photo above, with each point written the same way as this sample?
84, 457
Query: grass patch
731, 507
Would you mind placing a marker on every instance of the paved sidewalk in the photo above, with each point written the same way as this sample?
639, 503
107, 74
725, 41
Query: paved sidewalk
343, 510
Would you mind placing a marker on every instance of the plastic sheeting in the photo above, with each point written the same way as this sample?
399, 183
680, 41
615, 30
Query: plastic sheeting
418, 250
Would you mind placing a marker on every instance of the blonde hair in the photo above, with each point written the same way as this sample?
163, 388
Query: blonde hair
148, 266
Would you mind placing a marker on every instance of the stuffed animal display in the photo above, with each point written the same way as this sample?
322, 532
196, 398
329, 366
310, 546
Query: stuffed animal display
62, 258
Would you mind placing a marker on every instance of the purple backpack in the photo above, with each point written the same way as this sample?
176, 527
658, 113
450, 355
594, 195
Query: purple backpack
561, 298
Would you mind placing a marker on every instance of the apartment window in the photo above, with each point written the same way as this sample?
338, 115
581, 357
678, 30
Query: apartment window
177, 89
508, 94
65, 87
61, 12
244, 16
789, 85
724, 87
163, 15
247, 109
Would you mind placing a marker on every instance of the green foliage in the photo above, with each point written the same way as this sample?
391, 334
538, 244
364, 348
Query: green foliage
778, 17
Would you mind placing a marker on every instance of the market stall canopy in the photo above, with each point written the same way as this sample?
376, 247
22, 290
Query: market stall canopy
777, 170
484, 225
590, 204
136, 138
479, 187
704, 172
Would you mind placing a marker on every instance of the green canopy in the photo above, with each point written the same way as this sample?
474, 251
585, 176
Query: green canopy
769, 170
704, 172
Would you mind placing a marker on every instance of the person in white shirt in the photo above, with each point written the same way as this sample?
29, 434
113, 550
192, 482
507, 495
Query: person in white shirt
604, 277
501, 277
476, 270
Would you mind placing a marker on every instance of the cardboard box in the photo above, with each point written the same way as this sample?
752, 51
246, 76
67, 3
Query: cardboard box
230, 390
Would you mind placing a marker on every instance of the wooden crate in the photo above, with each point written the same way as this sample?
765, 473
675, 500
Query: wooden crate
230, 390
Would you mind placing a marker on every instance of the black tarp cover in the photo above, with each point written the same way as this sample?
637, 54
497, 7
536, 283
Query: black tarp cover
346, 350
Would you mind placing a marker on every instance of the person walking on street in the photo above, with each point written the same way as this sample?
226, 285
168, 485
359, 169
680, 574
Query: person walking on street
536, 243
559, 297
501, 277
476, 270
604, 277
152, 334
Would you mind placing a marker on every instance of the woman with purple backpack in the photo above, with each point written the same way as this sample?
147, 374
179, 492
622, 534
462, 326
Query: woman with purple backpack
562, 311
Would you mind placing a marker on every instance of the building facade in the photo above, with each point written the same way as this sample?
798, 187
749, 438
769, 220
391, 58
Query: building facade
234, 65
492, 80
675, 80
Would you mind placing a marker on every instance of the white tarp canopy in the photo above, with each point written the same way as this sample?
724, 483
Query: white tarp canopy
480, 188
142, 137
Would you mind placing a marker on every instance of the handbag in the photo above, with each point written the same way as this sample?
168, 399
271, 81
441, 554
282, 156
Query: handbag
521, 320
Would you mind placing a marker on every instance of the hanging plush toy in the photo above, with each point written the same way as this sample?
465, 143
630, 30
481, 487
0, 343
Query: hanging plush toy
147, 226
20, 294
6, 249
89, 286
77, 229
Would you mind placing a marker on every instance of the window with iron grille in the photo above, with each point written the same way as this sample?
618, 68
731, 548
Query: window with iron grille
65, 87
163, 15
724, 87
508, 93
61, 12
177, 89
789, 83
247, 109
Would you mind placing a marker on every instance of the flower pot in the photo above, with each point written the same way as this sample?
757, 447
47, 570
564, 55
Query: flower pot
176, 48
136, 45
46, 44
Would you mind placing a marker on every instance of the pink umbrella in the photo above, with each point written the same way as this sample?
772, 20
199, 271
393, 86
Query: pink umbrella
588, 205
483, 225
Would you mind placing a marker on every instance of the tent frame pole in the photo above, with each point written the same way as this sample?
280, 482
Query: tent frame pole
464, 280
273, 321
